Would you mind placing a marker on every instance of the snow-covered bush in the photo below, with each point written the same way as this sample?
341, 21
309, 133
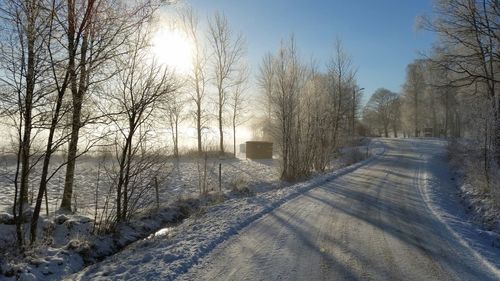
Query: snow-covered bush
479, 187
240, 187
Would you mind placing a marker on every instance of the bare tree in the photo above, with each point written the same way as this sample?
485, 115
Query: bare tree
175, 111
356, 103
227, 53
197, 78
307, 110
266, 83
342, 77
288, 78
23, 48
317, 119
468, 32
237, 102
56, 113
395, 115
265, 79
141, 87
95, 30
384, 109
414, 90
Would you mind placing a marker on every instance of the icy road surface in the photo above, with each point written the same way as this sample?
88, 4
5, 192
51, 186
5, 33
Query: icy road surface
370, 224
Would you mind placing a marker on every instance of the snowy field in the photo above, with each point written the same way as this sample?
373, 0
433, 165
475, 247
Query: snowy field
181, 181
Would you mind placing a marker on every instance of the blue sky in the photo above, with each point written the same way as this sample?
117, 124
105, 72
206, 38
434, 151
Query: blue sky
380, 35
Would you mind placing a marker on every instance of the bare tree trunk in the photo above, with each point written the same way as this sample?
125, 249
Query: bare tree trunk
78, 90
25, 155
353, 117
176, 141
446, 112
496, 138
70, 169
75, 124
339, 109
28, 106
221, 131
198, 127
45, 169
434, 119
127, 181
416, 114
43, 184
234, 135
17, 217
121, 180
486, 164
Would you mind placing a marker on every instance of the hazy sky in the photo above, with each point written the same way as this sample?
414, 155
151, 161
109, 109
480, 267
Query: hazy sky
379, 34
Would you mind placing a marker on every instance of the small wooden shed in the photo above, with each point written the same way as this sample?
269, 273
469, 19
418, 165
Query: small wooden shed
259, 150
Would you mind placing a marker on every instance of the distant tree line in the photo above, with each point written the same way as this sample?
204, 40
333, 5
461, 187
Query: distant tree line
455, 86
453, 91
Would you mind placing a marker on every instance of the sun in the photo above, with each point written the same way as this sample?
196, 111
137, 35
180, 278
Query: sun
172, 47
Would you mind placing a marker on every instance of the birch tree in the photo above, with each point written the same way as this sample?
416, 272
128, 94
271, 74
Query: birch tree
197, 78
24, 63
228, 50
237, 102
95, 30
175, 111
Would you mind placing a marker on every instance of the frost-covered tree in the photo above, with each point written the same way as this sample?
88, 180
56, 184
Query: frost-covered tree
413, 94
469, 39
309, 111
197, 78
238, 102
383, 111
228, 50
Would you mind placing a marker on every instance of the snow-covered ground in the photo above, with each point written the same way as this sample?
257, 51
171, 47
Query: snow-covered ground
69, 245
443, 198
405, 180
181, 180
420, 236
480, 192
166, 257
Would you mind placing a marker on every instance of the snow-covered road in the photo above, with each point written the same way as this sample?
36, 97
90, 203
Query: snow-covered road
370, 224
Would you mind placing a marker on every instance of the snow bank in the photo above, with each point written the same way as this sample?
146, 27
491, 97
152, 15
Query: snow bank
67, 243
482, 201
439, 190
